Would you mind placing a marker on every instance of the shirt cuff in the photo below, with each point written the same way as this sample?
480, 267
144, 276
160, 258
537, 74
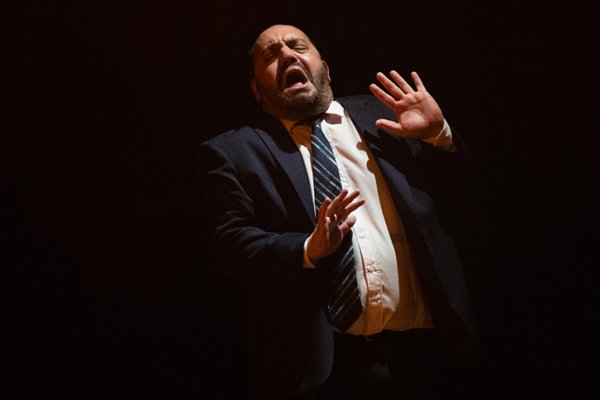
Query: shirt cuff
307, 263
442, 140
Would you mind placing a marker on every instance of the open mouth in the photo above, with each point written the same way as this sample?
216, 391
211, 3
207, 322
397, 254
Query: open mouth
294, 78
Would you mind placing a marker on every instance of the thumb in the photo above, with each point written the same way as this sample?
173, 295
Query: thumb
393, 128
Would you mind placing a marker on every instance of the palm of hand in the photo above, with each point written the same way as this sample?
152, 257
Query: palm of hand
333, 234
417, 113
334, 221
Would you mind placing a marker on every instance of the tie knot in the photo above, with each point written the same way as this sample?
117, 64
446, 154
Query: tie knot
306, 124
317, 130
313, 122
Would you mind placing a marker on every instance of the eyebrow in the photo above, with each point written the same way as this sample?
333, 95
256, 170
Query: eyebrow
290, 42
271, 47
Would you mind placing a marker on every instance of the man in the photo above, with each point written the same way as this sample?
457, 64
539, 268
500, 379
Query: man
402, 320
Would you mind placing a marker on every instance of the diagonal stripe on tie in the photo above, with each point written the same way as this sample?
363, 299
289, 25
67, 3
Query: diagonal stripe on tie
345, 306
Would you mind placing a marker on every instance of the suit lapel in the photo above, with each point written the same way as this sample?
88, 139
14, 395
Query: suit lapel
364, 111
285, 152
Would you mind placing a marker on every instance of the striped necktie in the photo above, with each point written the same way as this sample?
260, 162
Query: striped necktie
345, 306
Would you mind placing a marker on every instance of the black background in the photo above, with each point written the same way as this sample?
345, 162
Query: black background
109, 291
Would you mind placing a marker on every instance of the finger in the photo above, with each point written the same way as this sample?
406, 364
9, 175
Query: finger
383, 96
354, 206
350, 208
322, 215
348, 199
418, 82
350, 221
389, 126
396, 91
335, 204
401, 82
347, 225
345, 198
335, 219
349, 215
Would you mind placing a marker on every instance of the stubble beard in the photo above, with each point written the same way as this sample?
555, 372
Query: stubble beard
299, 106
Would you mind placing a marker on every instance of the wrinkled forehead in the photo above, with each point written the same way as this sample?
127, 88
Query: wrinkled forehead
278, 34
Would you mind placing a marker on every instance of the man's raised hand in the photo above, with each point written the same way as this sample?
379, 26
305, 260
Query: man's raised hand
417, 113
334, 221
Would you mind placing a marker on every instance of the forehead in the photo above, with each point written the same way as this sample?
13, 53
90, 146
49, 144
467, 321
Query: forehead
279, 34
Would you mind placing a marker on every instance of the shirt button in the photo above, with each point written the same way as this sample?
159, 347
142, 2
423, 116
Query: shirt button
361, 235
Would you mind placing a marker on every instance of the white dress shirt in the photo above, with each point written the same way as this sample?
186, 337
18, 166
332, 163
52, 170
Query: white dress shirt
388, 283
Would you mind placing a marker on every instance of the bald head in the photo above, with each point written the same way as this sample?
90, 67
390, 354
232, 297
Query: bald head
273, 30
290, 79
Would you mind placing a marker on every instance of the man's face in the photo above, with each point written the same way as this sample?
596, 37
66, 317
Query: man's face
290, 79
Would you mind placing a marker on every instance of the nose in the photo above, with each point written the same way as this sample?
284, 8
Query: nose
288, 56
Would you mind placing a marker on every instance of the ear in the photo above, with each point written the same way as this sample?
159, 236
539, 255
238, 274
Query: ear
326, 69
254, 89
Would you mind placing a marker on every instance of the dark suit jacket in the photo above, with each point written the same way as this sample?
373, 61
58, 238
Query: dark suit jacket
259, 208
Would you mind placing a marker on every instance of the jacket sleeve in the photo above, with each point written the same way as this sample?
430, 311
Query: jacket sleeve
247, 252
